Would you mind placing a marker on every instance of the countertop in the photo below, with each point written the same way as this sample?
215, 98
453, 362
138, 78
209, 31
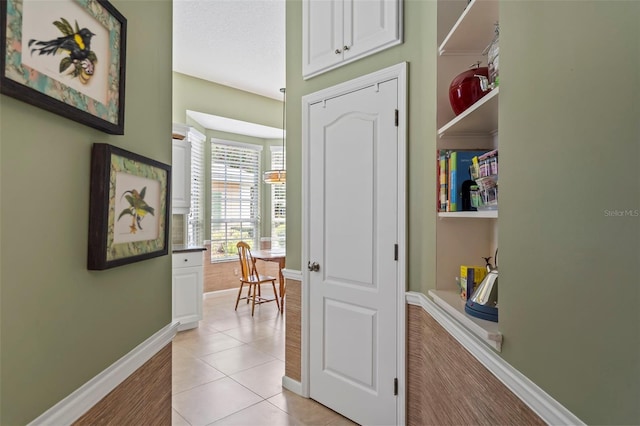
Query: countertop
183, 248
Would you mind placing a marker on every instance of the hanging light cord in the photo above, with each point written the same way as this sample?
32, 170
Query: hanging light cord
279, 175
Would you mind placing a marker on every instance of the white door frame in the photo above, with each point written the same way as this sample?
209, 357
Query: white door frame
398, 72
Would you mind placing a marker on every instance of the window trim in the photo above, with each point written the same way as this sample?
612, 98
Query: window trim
195, 219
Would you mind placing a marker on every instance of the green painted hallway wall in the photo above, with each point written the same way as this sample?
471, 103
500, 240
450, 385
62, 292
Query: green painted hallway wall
61, 324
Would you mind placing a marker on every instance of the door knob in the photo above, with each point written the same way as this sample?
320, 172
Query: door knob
338, 51
313, 267
345, 48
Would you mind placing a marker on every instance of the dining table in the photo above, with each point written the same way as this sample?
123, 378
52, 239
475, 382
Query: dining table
274, 255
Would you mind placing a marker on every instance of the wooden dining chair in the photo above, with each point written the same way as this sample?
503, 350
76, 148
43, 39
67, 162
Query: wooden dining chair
251, 277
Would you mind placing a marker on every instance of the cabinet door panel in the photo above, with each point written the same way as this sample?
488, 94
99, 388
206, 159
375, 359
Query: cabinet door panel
181, 177
323, 34
370, 26
187, 296
336, 32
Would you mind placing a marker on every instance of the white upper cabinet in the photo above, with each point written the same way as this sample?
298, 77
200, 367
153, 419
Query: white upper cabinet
336, 32
181, 176
183, 137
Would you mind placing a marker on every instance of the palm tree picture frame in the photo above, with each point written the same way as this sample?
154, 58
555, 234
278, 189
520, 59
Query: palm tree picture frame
67, 57
129, 206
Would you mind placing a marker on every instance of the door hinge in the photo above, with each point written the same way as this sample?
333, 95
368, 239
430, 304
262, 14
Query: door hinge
397, 117
395, 386
395, 252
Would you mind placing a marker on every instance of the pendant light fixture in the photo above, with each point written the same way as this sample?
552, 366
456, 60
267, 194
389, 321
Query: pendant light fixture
279, 176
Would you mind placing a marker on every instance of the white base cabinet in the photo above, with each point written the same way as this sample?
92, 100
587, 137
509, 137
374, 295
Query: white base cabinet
187, 285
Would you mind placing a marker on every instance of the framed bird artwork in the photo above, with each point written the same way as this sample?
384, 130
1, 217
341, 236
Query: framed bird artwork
129, 207
66, 56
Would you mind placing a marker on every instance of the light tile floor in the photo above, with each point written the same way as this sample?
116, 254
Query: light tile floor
229, 370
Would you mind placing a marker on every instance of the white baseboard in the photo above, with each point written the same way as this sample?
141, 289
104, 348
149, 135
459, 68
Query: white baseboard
86, 396
220, 292
292, 274
292, 385
549, 410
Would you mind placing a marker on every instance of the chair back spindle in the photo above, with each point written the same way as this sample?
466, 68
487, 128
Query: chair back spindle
247, 263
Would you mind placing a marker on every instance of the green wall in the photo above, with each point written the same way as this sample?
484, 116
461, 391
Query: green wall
194, 94
191, 93
570, 145
569, 138
61, 324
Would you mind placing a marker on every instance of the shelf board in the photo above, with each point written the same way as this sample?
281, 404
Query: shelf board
479, 118
487, 331
473, 31
485, 214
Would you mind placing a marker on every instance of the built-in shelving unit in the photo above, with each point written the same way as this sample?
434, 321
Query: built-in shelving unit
481, 118
461, 237
486, 214
473, 31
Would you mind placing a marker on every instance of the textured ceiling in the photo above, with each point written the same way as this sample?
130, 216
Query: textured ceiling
237, 43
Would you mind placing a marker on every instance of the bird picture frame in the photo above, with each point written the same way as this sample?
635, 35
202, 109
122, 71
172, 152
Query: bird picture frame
129, 205
67, 57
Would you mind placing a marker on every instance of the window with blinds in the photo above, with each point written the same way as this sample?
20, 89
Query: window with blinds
235, 191
195, 220
278, 202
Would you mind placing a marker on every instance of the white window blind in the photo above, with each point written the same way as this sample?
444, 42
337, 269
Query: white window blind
235, 178
278, 202
195, 221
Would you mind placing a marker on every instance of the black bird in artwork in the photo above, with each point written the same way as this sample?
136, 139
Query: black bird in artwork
76, 44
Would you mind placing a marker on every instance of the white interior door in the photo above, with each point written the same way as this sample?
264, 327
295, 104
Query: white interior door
353, 236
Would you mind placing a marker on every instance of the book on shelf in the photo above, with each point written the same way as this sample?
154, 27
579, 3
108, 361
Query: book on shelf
443, 179
470, 279
459, 172
453, 172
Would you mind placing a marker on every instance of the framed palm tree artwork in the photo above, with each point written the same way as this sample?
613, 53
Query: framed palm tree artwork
67, 57
129, 206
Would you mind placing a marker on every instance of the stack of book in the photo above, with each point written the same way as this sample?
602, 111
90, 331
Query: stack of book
455, 179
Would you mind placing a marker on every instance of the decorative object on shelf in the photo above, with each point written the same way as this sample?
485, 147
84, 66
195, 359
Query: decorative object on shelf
484, 301
66, 57
279, 176
470, 279
484, 171
493, 54
128, 208
468, 87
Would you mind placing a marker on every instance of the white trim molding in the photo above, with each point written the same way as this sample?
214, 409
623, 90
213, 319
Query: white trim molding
210, 294
291, 274
549, 410
86, 396
247, 145
293, 385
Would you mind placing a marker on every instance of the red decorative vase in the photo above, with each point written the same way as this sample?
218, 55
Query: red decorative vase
467, 87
